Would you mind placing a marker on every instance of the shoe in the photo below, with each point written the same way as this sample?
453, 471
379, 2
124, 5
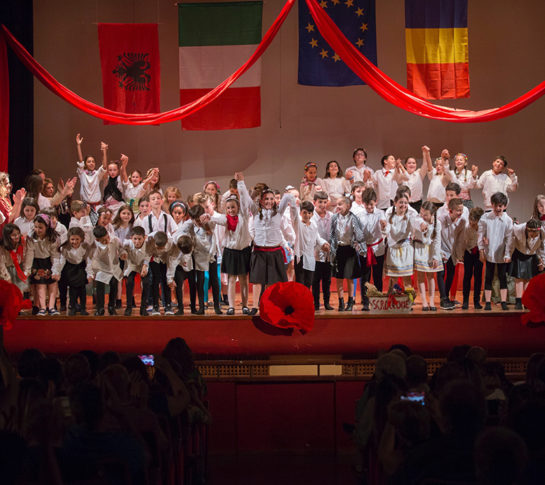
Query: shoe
253, 311
63, 308
149, 308
455, 302
143, 312
425, 308
465, 305
488, 306
118, 304
169, 310
217, 310
341, 304
180, 311
53, 312
41, 312
231, 311
504, 306
35, 310
365, 307
111, 310
200, 311
477, 305
155, 311
446, 304
245, 310
349, 304
84, 312
193, 311
327, 306
433, 309
518, 304
128, 311
71, 312
99, 312
316, 308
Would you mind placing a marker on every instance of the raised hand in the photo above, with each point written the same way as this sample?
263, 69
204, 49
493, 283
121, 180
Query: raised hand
474, 170
425, 149
79, 139
103, 146
239, 176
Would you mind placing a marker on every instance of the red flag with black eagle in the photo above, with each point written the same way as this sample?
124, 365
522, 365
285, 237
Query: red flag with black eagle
129, 55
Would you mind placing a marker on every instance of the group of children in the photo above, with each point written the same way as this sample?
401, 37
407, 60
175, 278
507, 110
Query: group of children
354, 225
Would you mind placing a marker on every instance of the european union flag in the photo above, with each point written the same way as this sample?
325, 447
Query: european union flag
319, 65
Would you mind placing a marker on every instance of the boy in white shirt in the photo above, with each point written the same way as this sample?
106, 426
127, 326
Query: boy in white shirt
384, 182
360, 171
180, 268
137, 263
80, 218
496, 180
156, 219
452, 191
159, 249
495, 233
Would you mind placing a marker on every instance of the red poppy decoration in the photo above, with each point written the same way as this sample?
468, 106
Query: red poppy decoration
11, 303
288, 305
533, 299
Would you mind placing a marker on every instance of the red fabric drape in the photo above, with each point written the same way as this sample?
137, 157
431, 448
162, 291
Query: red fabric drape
4, 106
398, 95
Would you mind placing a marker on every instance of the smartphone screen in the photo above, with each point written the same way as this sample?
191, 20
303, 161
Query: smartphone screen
418, 397
147, 359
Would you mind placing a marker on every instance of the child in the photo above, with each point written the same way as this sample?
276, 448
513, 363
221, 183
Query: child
75, 265
133, 186
137, 263
58, 227
309, 184
539, 209
528, 258
113, 190
152, 181
400, 255
42, 264
171, 194
105, 268
495, 234
359, 172
80, 218
356, 194
452, 191
267, 260
333, 183
427, 252
178, 211
452, 225
144, 210
157, 220
307, 240
29, 209
412, 177
159, 248
439, 178
237, 245
180, 268
104, 220
493, 181
12, 247
90, 178
468, 251
373, 221
213, 190
346, 232
122, 223
233, 191
384, 183
322, 272
464, 178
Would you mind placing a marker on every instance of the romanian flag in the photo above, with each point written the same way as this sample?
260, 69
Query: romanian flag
437, 48
215, 39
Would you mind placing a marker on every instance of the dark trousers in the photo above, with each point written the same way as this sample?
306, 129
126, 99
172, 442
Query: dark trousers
473, 268
376, 270
63, 290
302, 275
75, 294
101, 289
444, 283
159, 271
146, 288
179, 277
322, 273
489, 275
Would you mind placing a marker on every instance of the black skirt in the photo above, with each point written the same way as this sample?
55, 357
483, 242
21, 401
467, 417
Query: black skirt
41, 272
74, 274
347, 263
267, 267
523, 266
236, 261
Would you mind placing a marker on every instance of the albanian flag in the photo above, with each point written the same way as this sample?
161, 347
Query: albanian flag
288, 305
129, 55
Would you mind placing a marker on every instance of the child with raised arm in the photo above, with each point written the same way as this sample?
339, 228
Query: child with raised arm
427, 252
105, 268
113, 190
464, 177
496, 180
346, 234
237, 243
138, 261
180, 268
439, 178
528, 255
412, 176
322, 272
495, 234
90, 178
133, 185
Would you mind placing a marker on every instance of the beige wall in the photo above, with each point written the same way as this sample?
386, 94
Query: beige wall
299, 123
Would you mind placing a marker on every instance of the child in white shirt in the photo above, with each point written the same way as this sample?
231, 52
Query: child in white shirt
384, 182
496, 180
413, 177
138, 261
80, 218
464, 177
359, 172
439, 178
29, 210
322, 272
180, 268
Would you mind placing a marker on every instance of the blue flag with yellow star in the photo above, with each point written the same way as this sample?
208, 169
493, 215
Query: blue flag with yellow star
319, 65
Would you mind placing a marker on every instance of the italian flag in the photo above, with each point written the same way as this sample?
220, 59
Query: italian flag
215, 39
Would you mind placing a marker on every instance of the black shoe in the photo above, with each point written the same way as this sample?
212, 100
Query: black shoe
83, 312
143, 311
200, 311
365, 307
504, 306
35, 310
316, 308
193, 310
327, 306
446, 304
465, 305
63, 308
253, 311
477, 305
128, 311
71, 312
350, 304
99, 312
433, 309
518, 304
245, 310
111, 310
217, 310
231, 311
341, 304
118, 304
488, 306
425, 308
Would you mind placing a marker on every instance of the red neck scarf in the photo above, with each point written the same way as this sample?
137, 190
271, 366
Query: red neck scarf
232, 222
542, 218
16, 256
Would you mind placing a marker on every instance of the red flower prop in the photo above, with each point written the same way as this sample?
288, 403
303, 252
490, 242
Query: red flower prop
11, 303
534, 299
288, 305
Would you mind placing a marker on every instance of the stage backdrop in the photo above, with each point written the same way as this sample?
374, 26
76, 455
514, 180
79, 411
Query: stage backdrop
299, 123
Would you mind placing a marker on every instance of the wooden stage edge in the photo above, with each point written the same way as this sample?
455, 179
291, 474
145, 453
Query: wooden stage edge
217, 337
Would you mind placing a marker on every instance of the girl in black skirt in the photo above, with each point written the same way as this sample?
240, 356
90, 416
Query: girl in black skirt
75, 266
528, 255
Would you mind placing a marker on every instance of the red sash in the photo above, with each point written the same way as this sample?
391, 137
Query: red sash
16, 256
271, 250
371, 260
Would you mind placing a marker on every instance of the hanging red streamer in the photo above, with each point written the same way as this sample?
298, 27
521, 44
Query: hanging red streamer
383, 85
